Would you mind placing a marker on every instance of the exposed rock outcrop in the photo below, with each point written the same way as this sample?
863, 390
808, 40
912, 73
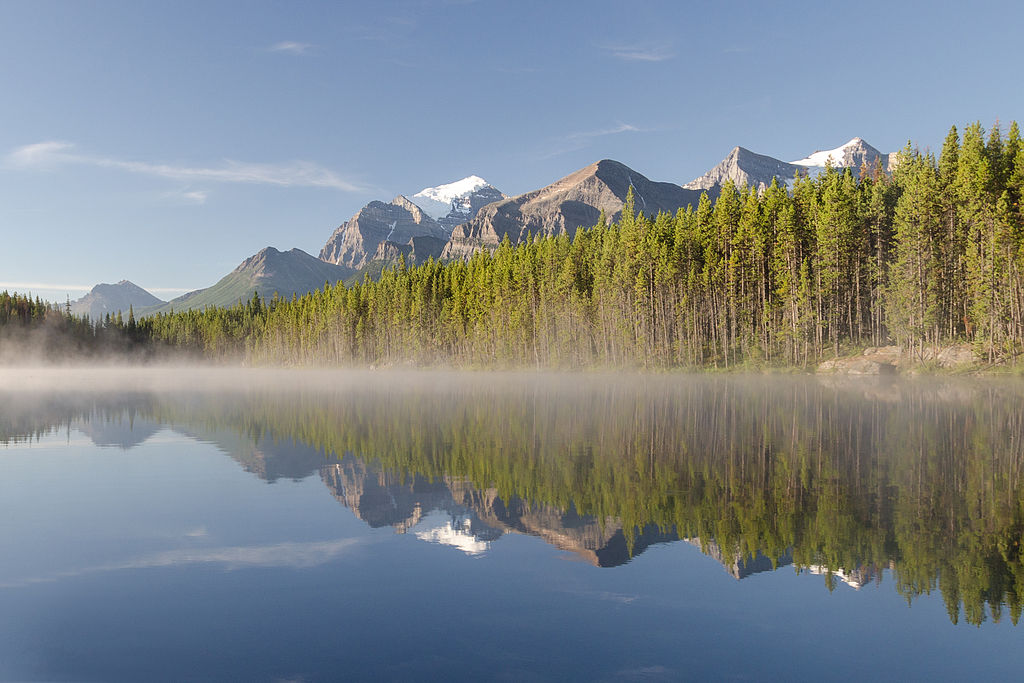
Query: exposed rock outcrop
573, 202
355, 243
744, 167
889, 360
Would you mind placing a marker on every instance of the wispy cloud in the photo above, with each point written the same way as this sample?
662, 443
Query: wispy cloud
291, 47
282, 555
37, 286
54, 153
50, 286
583, 138
600, 133
640, 53
188, 196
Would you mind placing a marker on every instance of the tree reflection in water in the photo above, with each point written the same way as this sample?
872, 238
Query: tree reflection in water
921, 478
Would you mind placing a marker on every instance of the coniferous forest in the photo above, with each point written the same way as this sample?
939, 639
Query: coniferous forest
926, 255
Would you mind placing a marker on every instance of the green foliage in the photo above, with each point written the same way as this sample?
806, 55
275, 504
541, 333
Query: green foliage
931, 255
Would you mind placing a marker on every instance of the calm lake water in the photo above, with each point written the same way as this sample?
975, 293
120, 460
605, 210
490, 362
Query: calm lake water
304, 526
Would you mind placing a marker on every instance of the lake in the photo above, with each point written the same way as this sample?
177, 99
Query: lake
172, 524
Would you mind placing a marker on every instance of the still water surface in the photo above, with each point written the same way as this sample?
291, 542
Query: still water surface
442, 527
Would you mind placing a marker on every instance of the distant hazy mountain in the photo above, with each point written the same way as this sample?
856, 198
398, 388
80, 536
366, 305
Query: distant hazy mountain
455, 203
574, 201
104, 298
267, 272
356, 241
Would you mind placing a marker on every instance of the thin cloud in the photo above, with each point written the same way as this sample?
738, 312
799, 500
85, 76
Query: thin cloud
581, 139
34, 286
49, 286
640, 53
291, 47
279, 555
614, 130
39, 154
188, 196
53, 153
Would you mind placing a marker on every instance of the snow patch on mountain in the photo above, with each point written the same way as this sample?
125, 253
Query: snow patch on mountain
437, 201
837, 156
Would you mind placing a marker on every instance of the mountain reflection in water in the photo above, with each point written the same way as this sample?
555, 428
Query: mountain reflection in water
848, 480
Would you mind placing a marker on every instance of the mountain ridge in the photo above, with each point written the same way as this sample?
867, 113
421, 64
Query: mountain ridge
571, 202
266, 272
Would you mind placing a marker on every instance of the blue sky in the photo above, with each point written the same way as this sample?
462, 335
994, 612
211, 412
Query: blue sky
164, 142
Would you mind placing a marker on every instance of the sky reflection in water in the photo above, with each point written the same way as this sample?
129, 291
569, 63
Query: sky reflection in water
417, 530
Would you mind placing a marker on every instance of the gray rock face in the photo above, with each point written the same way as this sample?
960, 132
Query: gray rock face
744, 167
418, 250
105, 298
573, 202
355, 243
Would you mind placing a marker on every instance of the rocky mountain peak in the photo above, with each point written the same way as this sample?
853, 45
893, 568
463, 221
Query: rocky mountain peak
457, 202
744, 167
418, 215
567, 204
357, 240
854, 154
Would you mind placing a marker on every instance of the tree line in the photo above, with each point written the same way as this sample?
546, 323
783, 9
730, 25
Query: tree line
930, 254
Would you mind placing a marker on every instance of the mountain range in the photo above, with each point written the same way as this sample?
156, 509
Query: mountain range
453, 220
744, 167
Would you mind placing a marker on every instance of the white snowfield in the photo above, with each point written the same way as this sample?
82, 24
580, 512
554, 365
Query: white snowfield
437, 201
820, 158
455, 535
452, 191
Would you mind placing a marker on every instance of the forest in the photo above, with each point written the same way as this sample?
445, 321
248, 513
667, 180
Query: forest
788, 275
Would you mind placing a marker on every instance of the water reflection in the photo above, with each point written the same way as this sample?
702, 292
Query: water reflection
917, 480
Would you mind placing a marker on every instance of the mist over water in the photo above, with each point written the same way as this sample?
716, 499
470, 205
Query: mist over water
893, 491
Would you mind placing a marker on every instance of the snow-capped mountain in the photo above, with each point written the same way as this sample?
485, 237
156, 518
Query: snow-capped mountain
853, 154
744, 167
454, 203
757, 170
437, 201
